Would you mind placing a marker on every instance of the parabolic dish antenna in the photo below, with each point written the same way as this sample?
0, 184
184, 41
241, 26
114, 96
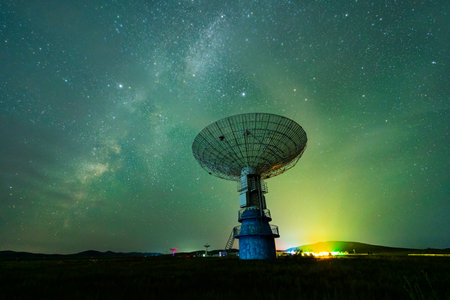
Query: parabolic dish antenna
249, 148
268, 143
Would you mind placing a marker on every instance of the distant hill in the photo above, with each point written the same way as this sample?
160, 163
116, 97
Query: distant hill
350, 247
84, 254
356, 247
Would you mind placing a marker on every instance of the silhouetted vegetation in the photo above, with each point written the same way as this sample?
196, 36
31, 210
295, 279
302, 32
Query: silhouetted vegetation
368, 277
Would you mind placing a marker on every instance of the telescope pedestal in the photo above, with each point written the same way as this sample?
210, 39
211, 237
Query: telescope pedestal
256, 236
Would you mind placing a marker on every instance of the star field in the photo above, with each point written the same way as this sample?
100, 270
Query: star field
100, 102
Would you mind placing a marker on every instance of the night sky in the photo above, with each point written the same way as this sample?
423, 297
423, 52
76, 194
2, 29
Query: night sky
100, 102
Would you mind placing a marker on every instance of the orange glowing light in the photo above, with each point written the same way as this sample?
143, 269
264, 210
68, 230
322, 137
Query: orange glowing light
275, 167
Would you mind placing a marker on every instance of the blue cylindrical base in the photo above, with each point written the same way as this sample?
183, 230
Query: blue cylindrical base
256, 239
256, 247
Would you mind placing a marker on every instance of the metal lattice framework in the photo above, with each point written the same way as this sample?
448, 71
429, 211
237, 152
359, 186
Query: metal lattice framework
270, 144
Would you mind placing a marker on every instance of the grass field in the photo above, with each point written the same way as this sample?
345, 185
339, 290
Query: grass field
167, 277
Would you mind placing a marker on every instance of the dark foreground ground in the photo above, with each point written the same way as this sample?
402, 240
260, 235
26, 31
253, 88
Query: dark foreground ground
166, 277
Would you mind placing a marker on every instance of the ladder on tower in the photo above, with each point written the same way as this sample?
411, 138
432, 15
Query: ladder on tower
230, 241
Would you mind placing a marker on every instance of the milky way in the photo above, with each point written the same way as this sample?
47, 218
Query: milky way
100, 102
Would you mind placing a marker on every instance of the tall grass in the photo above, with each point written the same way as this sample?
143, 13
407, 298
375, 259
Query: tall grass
228, 278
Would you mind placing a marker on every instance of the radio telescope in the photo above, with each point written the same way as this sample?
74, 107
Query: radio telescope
248, 148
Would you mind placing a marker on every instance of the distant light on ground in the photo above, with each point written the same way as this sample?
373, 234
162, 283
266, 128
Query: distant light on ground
324, 253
